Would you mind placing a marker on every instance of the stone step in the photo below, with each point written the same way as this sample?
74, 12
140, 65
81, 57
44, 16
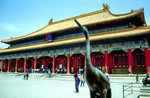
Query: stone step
144, 97
145, 92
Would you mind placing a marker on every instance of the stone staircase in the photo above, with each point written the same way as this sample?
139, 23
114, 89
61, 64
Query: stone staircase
71, 76
43, 75
145, 91
66, 77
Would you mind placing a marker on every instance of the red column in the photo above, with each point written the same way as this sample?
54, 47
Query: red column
25, 64
35, 63
94, 60
8, 65
16, 68
68, 64
54, 63
130, 60
32, 63
106, 61
133, 65
110, 63
75, 64
85, 61
2, 65
146, 60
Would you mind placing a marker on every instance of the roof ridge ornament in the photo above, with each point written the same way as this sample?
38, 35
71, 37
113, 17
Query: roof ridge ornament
145, 25
105, 6
50, 21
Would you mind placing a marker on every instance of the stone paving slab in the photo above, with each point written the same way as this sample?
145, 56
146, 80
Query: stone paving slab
12, 86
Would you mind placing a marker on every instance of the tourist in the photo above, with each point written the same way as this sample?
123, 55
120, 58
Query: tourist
49, 73
82, 80
58, 70
29, 70
79, 70
26, 75
65, 71
137, 78
72, 69
55, 70
77, 82
32, 70
146, 80
147, 77
18, 69
62, 70
43, 71
82, 70
129, 71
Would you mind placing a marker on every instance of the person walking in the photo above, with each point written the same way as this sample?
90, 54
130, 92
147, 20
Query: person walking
49, 73
82, 80
77, 82
26, 75
137, 78
129, 71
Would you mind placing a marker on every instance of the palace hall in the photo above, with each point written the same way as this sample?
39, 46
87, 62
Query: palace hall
119, 43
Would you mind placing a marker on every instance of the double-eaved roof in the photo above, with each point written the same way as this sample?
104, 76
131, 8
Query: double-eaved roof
96, 17
101, 36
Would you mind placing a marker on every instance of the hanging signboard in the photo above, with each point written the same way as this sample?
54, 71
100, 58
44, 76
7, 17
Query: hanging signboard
49, 37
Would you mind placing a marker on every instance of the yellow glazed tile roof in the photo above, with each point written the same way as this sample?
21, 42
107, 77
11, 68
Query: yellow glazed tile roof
100, 16
100, 36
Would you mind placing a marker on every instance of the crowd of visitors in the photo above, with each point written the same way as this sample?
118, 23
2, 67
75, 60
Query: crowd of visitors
57, 70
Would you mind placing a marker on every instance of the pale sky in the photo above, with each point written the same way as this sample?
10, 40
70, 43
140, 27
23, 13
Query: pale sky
21, 17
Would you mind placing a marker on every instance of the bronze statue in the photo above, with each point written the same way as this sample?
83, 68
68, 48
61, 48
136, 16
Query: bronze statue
96, 80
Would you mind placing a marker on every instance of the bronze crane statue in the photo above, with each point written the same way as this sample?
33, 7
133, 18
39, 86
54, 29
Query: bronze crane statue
96, 80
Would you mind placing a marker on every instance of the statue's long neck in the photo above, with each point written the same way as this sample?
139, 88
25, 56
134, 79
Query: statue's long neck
88, 57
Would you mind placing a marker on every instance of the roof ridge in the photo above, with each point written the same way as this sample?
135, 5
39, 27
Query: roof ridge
48, 28
132, 12
63, 20
80, 16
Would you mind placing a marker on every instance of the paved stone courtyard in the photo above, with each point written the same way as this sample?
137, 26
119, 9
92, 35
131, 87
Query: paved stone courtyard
12, 86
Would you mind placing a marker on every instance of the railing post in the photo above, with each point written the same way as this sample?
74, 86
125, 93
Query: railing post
123, 91
131, 88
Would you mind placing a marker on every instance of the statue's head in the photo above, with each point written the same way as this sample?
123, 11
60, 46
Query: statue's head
85, 29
